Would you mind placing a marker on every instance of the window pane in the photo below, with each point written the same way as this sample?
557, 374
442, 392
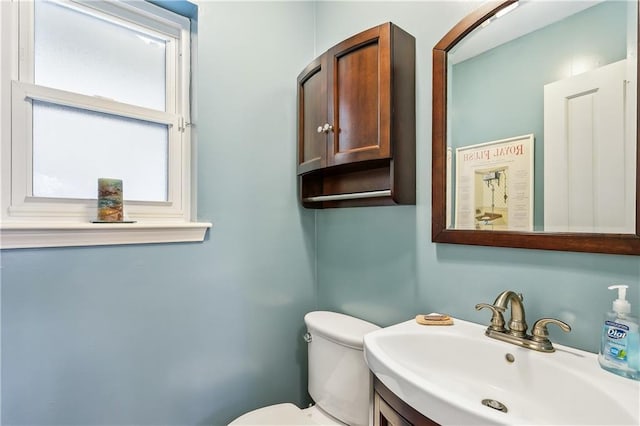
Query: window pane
72, 148
84, 54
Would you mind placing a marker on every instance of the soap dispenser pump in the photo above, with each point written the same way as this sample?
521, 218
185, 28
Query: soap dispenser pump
620, 344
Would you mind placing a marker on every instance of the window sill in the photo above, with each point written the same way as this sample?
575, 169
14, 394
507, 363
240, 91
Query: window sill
25, 235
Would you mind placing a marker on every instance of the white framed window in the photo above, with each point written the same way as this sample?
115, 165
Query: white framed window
98, 89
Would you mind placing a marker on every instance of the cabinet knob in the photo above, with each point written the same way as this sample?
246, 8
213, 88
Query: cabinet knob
326, 128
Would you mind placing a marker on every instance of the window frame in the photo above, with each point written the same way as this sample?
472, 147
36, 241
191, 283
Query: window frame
29, 221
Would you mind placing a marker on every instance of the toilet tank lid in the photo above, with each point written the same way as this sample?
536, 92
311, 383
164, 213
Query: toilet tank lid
338, 327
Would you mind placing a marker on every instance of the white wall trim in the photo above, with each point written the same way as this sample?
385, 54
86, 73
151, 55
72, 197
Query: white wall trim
36, 235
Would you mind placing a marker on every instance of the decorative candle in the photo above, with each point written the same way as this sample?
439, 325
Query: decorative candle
110, 200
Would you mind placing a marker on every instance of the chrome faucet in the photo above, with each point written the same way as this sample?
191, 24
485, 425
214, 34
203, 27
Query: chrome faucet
516, 333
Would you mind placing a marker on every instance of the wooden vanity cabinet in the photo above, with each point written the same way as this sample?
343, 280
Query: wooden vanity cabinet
390, 410
356, 120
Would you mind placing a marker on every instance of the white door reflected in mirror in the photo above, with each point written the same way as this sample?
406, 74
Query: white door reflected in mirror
589, 135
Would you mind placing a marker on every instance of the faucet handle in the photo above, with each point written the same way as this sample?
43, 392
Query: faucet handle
540, 333
497, 320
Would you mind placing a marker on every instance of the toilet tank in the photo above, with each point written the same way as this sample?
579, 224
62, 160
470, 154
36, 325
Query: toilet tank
339, 379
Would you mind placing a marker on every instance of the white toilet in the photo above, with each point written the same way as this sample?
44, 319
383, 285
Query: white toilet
339, 379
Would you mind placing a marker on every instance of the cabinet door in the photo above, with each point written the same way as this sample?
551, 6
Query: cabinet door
312, 116
389, 409
384, 415
360, 97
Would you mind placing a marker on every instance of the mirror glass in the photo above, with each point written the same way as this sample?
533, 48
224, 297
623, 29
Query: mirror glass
541, 120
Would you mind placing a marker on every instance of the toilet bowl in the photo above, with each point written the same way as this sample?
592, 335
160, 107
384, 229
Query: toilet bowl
286, 414
339, 379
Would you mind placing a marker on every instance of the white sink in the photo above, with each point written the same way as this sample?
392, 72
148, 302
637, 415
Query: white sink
445, 372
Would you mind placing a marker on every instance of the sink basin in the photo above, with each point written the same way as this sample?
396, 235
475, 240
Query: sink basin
445, 372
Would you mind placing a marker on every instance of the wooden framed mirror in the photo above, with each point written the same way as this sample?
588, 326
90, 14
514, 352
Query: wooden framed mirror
462, 192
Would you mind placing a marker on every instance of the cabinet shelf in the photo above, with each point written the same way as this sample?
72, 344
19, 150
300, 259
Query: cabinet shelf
349, 196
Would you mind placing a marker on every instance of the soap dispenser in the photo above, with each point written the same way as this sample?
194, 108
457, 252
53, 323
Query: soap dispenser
620, 345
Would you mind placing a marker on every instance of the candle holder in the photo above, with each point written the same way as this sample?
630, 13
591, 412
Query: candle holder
110, 206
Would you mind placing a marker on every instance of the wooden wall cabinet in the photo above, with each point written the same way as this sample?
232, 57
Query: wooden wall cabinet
356, 122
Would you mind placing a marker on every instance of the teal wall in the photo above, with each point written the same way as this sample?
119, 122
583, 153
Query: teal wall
500, 93
200, 333
380, 263
184, 334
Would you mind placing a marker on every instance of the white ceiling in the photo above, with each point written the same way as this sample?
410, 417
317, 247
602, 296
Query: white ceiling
529, 16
